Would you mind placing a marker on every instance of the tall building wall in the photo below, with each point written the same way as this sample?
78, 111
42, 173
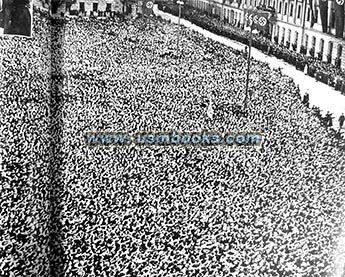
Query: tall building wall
115, 5
293, 23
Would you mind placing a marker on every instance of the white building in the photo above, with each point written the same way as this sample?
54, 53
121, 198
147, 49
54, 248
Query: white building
293, 23
95, 7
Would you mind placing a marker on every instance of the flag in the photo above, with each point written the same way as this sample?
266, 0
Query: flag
147, 7
246, 17
324, 15
313, 19
257, 19
339, 18
262, 21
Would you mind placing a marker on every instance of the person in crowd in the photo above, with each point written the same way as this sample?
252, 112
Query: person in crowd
306, 99
328, 119
245, 51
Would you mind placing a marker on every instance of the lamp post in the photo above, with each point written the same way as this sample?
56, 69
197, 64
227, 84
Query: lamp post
180, 3
248, 66
2, 54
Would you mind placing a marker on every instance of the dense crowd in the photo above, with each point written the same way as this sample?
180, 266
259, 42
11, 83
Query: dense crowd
276, 210
25, 151
185, 211
332, 75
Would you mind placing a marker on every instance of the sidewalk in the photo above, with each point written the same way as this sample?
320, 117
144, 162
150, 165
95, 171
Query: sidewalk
320, 94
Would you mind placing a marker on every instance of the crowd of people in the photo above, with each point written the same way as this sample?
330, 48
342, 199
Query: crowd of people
74, 210
331, 74
25, 142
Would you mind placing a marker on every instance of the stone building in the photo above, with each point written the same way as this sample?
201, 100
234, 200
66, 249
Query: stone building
93, 7
293, 26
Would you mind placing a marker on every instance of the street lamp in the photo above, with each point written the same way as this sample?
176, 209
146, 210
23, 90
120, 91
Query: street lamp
248, 65
180, 3
256, 21
2, 54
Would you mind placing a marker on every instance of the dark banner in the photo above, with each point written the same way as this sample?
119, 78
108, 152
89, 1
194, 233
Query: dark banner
324, 15
313, 19
147, 7
339, 18
258, 19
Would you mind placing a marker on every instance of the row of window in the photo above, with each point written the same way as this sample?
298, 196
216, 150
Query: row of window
94, 7
285, 11
306, 41
205, 6
233, 16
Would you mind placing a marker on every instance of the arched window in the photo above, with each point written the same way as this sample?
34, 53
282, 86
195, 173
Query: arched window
289, 35
339, 50
332, 19
308, 15
322, 43
330, 48
283, 34
313, 42
296, 38
291, 9
299, 12
317, 15
285, 8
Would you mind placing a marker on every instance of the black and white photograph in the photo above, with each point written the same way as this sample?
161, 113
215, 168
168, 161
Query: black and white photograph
172, 138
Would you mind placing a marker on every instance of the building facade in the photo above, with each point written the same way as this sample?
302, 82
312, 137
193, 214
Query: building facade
102, 8
93, 7
293, 28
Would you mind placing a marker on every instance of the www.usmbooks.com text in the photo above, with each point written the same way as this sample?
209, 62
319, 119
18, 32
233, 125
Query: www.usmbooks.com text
173, 138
